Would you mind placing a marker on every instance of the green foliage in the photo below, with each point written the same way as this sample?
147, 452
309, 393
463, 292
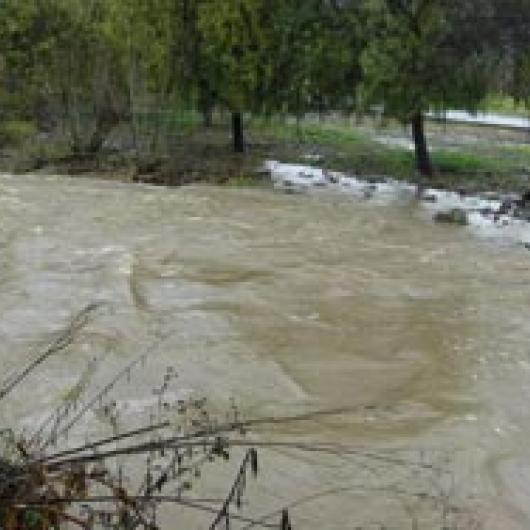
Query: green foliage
421, 55
521, 84
33, 519
464, 162
279, 56
504, 104
86, 66
231, 32
16, 133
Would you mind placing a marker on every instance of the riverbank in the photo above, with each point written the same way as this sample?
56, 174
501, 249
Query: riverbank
466, 158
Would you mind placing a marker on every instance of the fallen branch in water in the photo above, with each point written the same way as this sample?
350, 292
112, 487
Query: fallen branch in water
123, 479
64, 339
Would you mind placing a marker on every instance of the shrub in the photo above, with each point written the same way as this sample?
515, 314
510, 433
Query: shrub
16, 132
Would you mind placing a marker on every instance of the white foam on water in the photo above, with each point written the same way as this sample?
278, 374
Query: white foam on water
483, 221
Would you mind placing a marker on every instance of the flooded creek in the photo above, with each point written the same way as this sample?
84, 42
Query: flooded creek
289, 303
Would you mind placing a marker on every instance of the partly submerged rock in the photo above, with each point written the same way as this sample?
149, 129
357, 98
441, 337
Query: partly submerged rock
523, 206
428, 197
292, 191
263, 173
333, 178
320, 184
523, 213
487, 211
507, 207
455, 216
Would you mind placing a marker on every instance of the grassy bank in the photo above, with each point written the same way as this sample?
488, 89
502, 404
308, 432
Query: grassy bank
465, 157
486, 160
505, 105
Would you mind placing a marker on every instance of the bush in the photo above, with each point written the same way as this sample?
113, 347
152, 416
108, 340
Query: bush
16, 132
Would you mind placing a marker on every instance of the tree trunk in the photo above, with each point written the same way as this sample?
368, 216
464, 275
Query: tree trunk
237, 132
106, 119
423, 159
206, 104
207, 117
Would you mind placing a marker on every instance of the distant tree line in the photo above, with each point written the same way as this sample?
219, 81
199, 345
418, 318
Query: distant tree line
91, 65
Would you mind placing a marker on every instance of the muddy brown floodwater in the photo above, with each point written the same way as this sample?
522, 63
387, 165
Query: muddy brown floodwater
291, 303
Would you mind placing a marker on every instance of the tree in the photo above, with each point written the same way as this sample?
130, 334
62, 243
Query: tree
23, 42
59, 52
426, 54
191, 64
231, 33
311, 49
145, 35
267, 56
513, 38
